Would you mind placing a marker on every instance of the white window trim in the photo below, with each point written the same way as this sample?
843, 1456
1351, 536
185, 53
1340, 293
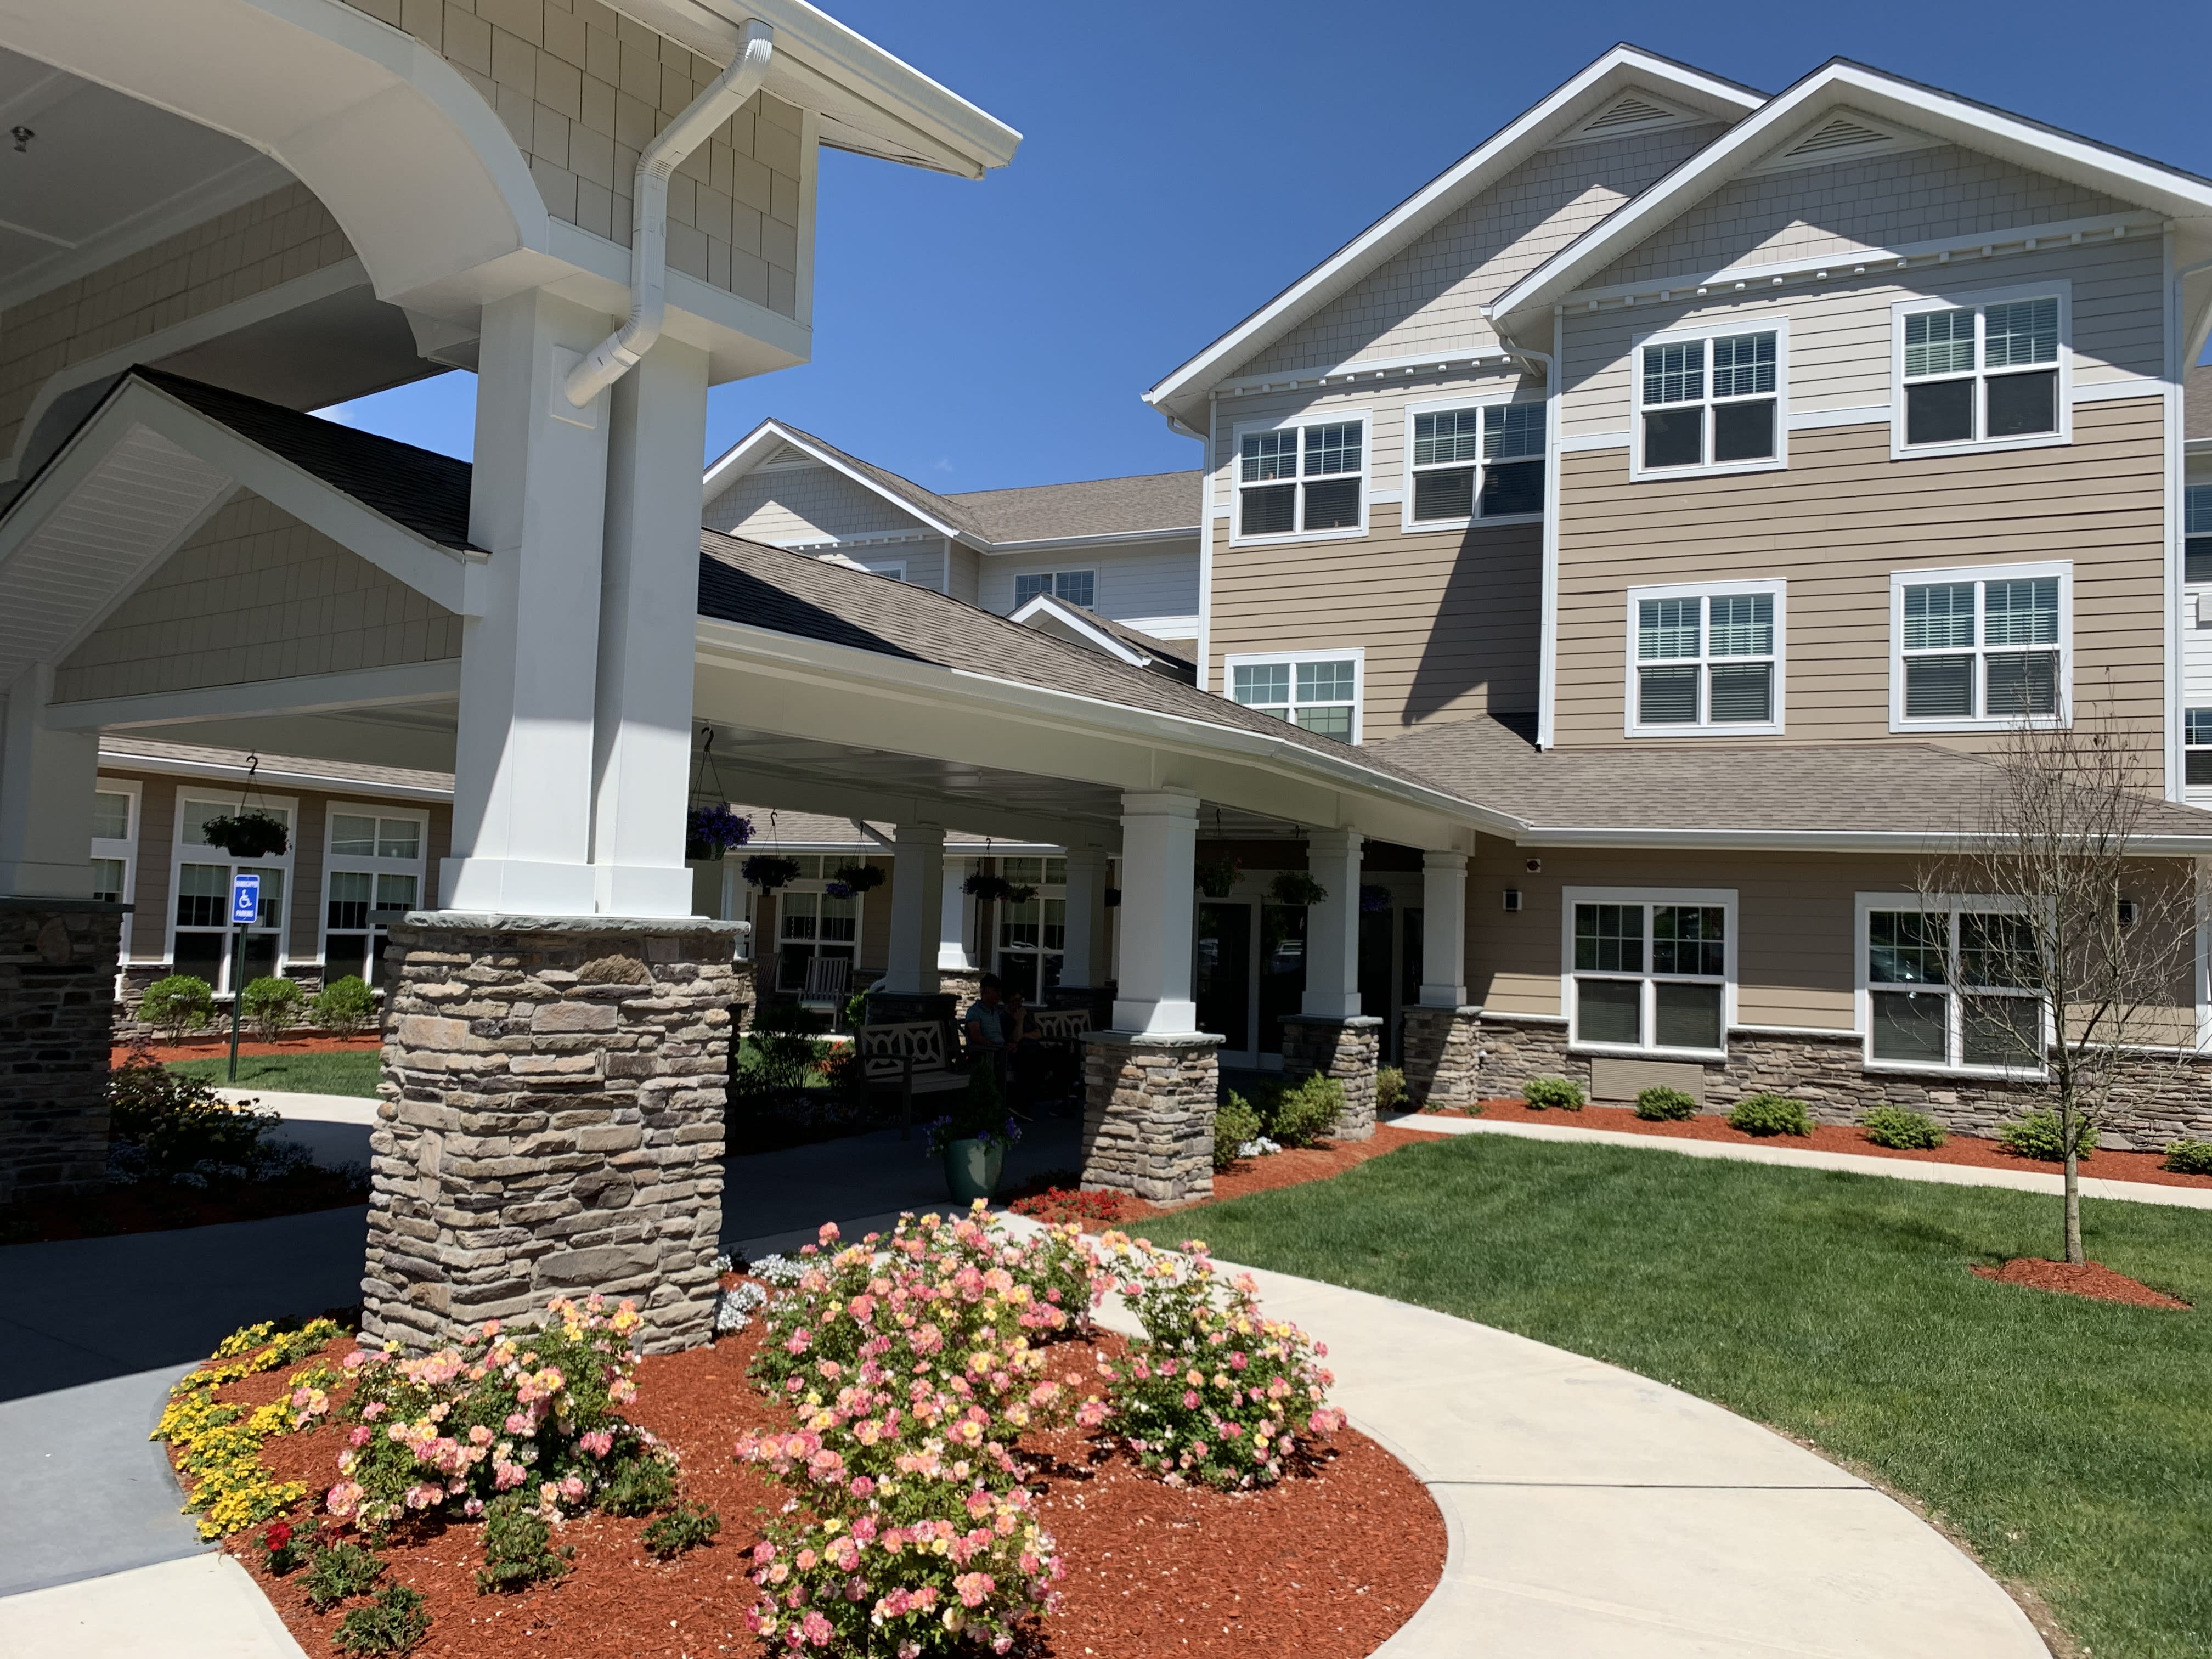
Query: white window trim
894, 568
1046, 891
1631, 726
1055, 573
182, 852
124, 847
419, 868
1719, 329
1864, 906
1356, 653
1953, 299
1406, 522
1901, 580
1725, 897
1365, 420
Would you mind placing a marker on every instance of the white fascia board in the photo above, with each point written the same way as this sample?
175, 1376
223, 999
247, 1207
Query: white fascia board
1924, 109
1179, 394
865, 92
1044, 605
1819, 840
438, 681
778, 789
117, 754
1076, 543
441, 575
741, 458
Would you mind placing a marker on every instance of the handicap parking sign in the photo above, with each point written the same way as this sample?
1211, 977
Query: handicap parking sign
245, 898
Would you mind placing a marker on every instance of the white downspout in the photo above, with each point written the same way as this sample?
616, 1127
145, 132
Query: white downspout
615, 356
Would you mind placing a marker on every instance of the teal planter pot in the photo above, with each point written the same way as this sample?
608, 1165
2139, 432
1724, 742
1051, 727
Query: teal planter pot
971, 1169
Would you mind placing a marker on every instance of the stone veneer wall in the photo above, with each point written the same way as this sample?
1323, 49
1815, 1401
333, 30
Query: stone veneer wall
56, 1022
1148, 1114
1444, 1055
551, 1123
1345, 1049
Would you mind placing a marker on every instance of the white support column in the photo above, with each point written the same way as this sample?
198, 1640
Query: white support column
1081, 964
956, 919
523, 771
1333, 926
1443, 930
1159, 845
917, 908
648, 619
46, 784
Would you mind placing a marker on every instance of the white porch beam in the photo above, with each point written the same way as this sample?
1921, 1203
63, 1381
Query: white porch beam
301, 693
1159, 845
1443, 930
789, 792
1081, 963
1333, 926
917, 908
46, 781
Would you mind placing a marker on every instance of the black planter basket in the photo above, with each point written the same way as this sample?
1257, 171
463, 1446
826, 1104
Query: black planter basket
249, 834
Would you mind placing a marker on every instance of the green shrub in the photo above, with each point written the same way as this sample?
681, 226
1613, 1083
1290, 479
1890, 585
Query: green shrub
639, 1488
1390, 1091
1896, 1127
393, 1623
518, 1547
781, 1052
683, 1528
337, 1570
344, 1006
272, 1006
2036, 1134
1771, 1114
1305, 1114
2188, 1157
1553, 1094
1235, 1122
173, 1125
1660, 1104
178, 1004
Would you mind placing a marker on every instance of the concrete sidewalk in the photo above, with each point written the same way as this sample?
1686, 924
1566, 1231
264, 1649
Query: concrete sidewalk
334, 1128
1897, 1169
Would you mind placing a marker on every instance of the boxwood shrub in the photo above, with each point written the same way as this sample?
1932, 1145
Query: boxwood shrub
1553, 1094
2036, 1135
1771, 1114
1660, 1104
2188, 1157
1902, 1130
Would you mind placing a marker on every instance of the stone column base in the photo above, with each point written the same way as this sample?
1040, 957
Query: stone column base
57, 1024
1345, 1049
552, 1122
1444, 1055
1148, 1114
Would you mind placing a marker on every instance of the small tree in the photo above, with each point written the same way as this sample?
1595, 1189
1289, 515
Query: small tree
2093, 939
178, 1004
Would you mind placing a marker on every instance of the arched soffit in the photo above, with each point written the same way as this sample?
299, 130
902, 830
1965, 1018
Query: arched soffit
416, 168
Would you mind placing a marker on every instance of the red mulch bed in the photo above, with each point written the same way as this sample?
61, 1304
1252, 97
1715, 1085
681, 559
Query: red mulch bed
153, 1207
215, 1048
2091, 1279
1838, 1138
1329, 1563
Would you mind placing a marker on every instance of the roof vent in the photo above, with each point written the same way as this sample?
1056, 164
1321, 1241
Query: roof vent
1630, 111
1842, 137
1842, 133
786, 455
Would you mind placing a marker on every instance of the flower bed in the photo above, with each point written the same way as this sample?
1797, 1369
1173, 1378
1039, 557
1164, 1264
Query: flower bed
1839, 1138
947, 1439
214, 1047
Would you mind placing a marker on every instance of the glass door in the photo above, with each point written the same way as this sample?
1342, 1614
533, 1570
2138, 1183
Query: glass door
1221, 977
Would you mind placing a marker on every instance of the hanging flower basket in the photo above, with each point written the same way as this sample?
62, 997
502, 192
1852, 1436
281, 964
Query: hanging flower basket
1215, 877
710, 831
857, 879
1297, 887
997, 888
1373, 899
767, 872
249, 834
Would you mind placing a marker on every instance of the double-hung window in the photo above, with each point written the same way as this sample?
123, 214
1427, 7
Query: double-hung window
811, 922
2197, 526
1989, 371
374, 864
115, 848
2197, 752
1317, 689
1951, 985
1033, 934
1485, 462
1709, 400
1070, 587
1980, 649
1705, 659
1298, 480
1649, 971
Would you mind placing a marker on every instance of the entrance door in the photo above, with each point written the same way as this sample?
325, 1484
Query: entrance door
1222, 977
1282, 975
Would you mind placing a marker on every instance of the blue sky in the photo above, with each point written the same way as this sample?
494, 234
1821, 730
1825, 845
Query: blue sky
1181, 163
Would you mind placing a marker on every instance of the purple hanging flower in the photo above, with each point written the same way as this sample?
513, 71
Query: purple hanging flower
711, 831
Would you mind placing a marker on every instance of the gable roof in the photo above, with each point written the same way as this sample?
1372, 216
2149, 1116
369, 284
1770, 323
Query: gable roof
1928, 110
1587, 95
769, 438
1084, 626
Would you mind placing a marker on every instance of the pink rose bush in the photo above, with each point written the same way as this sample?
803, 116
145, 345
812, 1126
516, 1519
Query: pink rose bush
1216, 1392
526, 1409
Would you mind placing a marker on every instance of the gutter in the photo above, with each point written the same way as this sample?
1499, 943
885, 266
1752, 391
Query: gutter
620, 352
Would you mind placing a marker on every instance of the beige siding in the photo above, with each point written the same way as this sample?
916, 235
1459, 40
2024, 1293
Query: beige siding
1881, 201
875, 953
1151, 580
1835, 523
799, 506
583, 88
283, 235
1430, 295
963, 575
255, 595
157, 829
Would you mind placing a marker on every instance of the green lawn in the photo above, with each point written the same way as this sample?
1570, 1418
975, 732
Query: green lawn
2069, 1441
348, 1073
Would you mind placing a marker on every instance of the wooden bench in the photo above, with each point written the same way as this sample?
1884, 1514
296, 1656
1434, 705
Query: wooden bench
912, 1057
1060, 1029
